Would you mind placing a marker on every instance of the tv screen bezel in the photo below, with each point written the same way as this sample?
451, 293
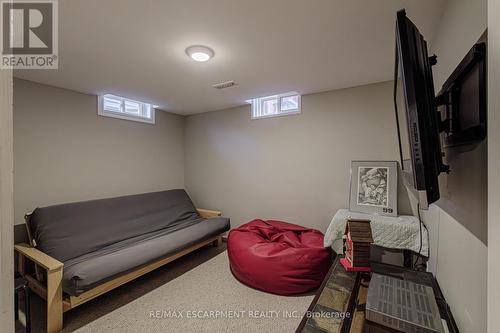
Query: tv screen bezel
421, 112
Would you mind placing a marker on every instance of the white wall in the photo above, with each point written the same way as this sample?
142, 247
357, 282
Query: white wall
461, 25
494, 166
294, 168
459, 261
458, 242
65, 152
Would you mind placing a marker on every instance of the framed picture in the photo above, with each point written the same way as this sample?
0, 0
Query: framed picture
374, 187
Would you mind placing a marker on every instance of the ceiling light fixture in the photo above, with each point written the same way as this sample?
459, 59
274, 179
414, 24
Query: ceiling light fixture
200, 53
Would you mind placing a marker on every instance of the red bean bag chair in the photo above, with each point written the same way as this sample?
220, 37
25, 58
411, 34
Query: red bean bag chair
278, 257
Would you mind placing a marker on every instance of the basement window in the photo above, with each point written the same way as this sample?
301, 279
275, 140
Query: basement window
275, 105
125, 108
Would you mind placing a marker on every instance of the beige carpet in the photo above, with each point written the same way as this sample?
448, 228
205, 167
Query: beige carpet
210, 292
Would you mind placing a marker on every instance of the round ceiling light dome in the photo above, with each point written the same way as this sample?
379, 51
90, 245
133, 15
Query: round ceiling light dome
200, 53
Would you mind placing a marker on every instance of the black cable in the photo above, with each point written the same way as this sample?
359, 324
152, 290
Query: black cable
420, 249
420, 223
421, 220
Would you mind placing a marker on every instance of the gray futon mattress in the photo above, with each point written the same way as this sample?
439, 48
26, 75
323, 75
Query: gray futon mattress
98, 240
87, 271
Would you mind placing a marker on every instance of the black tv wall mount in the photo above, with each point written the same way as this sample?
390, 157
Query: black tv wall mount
463, 99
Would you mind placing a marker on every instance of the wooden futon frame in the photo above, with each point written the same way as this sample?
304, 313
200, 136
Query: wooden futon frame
47, 282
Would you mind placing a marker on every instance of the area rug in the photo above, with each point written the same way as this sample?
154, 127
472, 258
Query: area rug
206, 299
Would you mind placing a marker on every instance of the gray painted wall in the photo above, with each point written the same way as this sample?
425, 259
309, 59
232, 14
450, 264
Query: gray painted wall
294, 168
493, 165
64, 151
6, 204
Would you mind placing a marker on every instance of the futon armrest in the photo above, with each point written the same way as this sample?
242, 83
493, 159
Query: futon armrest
206, 213
37, 256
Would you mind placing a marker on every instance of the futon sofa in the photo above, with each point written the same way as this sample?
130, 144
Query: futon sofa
88, 248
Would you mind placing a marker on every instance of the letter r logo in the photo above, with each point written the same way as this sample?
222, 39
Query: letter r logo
27, 27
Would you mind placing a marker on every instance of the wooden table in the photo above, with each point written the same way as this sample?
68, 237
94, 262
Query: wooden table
338, 306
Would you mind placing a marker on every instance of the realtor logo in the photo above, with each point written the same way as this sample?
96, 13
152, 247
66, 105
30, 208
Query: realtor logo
29, 34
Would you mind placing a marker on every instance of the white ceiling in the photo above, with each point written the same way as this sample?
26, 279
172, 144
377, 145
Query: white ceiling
136, 48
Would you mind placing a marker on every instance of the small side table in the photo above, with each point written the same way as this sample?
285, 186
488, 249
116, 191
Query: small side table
21, 286
399, 233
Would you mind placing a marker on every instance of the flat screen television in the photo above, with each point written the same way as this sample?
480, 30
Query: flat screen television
416, 113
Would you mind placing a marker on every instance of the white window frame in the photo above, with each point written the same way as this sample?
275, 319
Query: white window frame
126, 116
260, 101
